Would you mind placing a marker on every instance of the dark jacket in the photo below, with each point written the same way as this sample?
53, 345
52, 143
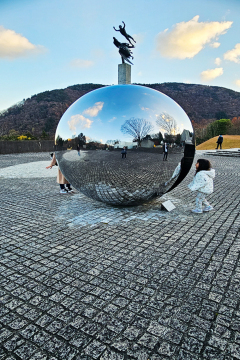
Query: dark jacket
164, 148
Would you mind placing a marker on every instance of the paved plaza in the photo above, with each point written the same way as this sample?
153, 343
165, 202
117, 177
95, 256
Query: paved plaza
80, 279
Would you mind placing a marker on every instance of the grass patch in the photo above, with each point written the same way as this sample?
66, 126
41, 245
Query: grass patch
229, 142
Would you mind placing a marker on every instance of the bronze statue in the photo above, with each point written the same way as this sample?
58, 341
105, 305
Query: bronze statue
123, 32
124, 50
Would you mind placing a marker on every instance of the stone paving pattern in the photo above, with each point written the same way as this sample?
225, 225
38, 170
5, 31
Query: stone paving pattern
83, 280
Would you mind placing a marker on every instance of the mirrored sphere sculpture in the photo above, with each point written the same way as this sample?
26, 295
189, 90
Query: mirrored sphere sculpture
121, 131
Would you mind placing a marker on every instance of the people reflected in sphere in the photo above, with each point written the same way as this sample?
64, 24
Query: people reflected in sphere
124, 153
176, 172
165, 151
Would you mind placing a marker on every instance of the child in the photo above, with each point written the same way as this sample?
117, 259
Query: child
124, 152
203, 184
60, 178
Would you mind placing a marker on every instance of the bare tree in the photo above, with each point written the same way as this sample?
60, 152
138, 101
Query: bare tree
137, 128
167, 123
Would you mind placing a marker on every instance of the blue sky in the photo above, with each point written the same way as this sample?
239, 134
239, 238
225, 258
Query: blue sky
52, 44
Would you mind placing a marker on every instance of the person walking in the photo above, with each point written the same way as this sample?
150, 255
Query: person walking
219, 142
61, 180
203, 184
165, 151
78, 149
124, 153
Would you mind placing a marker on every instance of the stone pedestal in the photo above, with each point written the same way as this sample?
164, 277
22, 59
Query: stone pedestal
124, 74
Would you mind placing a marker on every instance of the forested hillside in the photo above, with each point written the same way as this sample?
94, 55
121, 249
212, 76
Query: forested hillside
41, 113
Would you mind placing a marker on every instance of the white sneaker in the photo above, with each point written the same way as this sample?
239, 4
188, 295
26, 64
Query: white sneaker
197, 211
70, 190
63, 191
208, 208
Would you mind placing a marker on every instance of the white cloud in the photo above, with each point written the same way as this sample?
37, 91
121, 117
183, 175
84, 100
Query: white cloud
80, 63
215, 45
13, 45
237, 82
234, 54
218, 61
112, 119
76, 120
187, 39
211, 73
94, 110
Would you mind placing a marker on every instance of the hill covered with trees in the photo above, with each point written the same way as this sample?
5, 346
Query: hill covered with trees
40, 114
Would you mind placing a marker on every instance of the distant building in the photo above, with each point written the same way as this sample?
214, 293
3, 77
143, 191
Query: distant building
128, 144
186, 135
112, 142
147, 143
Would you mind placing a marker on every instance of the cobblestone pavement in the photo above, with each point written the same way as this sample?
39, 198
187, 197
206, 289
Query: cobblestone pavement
82, 280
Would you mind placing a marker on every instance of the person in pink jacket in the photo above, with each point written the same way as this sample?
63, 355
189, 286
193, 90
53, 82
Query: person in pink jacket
203, 184
60, 178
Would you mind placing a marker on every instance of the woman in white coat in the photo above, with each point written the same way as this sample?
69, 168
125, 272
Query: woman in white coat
203, 184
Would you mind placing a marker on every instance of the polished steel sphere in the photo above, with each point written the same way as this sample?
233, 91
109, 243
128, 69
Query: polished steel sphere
122, 131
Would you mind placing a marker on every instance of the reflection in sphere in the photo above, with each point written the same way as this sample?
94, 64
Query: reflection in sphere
120, 130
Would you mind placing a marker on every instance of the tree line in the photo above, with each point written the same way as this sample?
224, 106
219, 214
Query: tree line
14, 135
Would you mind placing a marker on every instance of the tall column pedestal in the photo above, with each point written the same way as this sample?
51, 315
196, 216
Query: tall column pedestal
124, 74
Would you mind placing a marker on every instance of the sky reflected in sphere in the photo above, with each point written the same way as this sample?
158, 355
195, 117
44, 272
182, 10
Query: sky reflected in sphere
112, 105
